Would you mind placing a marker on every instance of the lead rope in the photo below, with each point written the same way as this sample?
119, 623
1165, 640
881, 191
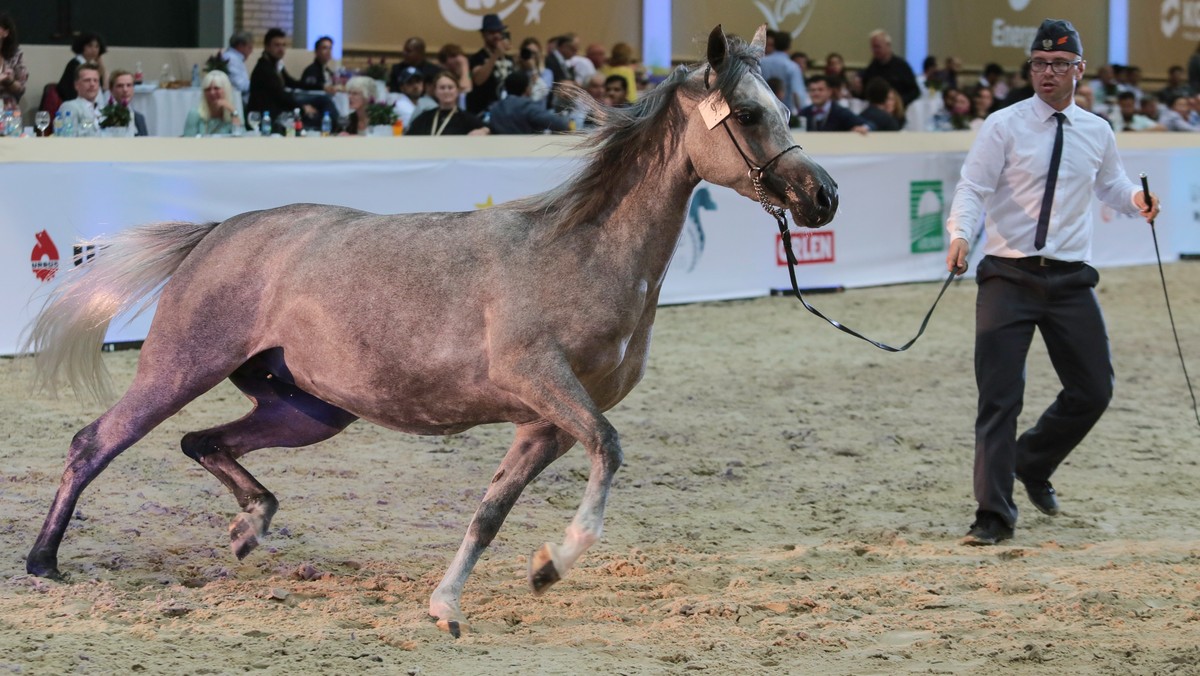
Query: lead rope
780, 214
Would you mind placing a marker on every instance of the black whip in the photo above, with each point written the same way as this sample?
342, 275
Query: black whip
1167, 298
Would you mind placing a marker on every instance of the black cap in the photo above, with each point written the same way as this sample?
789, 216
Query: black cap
492, 22
409, 73
1057, 35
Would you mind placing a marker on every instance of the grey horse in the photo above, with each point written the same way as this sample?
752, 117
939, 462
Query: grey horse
536, 312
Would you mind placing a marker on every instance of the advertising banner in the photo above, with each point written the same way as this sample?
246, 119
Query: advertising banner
1163, 33
818, 27
386, 24
1000, 31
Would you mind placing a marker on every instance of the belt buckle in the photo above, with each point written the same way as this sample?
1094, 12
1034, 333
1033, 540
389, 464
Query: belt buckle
1042, 262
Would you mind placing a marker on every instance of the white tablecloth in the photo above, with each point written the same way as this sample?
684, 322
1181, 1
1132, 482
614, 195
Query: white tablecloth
166, 110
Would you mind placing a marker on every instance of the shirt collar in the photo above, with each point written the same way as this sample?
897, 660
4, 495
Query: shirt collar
1045, 112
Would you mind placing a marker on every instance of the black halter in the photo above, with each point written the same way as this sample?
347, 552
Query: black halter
780, 214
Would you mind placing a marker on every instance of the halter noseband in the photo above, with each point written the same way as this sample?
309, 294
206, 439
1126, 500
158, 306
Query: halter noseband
755, 173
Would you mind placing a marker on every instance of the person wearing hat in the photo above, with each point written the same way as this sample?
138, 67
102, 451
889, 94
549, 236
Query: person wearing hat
412, 100
490, 65
1030, 176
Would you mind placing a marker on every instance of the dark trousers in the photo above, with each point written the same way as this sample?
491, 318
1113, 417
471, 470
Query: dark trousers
1015, 296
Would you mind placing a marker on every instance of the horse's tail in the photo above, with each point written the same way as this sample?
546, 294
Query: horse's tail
128, 271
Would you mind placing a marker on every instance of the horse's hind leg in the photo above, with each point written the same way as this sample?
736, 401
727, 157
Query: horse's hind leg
535, 447
283, 416
148, 402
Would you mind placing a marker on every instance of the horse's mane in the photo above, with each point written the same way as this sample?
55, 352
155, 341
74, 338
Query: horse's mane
629, 139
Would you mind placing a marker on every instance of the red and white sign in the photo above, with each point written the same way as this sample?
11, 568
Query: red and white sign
807, 246
44, 257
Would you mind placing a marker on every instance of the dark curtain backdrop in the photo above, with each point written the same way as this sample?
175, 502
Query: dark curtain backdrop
128, 23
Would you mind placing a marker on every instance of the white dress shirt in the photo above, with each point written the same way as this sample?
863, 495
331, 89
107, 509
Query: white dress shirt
238, 76
1004, 177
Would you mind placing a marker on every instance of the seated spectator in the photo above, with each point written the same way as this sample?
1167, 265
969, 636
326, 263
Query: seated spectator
318, 76
981, 103
1084, 91
519, 114
620, 62
269, 84
13, 73
1133, 82
955, 114
895, 107
1194, 115
120, 91
217, 112
1176, 86
583, 114
994, 79
1126, 117
235, 55
412, 100
1106, 86
929, 79
89, 48
86, 106
360, 93
801, 59
1175, 117
876, 113
949, 74
823, 115
616, 93
447, 119
1148, 107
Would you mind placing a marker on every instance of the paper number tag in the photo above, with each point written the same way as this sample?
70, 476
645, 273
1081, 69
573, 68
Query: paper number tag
714, 109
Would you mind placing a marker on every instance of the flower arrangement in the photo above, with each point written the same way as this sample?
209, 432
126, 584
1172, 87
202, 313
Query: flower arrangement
115, 114
217, 62
380, 113
376, 71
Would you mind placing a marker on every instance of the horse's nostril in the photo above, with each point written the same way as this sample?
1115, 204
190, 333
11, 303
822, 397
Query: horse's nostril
824, 199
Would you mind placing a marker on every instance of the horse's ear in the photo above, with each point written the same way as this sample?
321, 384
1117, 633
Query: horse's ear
759, 42
718, 47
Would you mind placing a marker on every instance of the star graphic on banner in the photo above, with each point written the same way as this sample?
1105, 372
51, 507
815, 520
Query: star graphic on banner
486, 205
533, 11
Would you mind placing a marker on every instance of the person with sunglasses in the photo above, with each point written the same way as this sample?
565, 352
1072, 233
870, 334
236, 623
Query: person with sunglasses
1030, 176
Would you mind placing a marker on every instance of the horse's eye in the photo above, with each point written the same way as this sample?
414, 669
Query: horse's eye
747, 117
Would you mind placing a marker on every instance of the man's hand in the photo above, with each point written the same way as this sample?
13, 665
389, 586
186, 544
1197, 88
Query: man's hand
956, 259
1139, 199
309, 109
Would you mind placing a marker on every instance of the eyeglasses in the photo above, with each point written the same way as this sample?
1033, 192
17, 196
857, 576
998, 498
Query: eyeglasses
1058, 66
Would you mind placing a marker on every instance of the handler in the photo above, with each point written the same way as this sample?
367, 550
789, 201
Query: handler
1035, 274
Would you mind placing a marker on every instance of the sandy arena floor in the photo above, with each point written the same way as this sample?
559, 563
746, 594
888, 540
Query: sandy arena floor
793, 501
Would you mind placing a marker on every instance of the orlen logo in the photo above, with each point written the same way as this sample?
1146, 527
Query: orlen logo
809, 247
467, 15
44, 258
1178, 14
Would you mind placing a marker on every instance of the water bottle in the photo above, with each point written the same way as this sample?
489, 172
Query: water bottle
68, 127
266, 123
297, 123
326, 125
6, 123
58, 123
16, 126
196, 75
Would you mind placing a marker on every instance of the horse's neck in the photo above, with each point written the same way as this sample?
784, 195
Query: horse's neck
649, 212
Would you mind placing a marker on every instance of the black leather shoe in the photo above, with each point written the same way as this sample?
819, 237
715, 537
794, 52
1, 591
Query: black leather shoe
988, 529
1042, 495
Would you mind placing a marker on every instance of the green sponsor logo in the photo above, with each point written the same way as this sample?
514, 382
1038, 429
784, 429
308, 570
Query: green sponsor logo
925, 207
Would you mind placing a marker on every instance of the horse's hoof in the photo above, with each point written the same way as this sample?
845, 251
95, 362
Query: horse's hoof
242, 538
543, 571
454, 627
44, 568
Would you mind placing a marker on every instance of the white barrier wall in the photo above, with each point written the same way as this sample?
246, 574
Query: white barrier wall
889, 228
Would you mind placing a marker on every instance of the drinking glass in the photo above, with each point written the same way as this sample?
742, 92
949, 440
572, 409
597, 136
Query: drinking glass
87, 126
254, 118
42, 122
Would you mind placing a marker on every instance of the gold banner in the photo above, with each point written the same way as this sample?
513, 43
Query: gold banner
1162, 33
817, 26
985, 31
384, 25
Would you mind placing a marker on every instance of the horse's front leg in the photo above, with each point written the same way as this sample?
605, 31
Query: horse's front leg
554, 391
534, 448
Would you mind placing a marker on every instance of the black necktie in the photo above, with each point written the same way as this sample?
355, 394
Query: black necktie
1043, 223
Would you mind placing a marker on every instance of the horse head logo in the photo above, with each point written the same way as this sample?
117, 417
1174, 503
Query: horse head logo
694, 229
778, 14
44, 258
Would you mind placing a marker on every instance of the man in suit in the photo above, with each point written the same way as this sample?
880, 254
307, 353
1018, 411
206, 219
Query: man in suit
269, 83
86, 106
558, 61
120, 87
824, 114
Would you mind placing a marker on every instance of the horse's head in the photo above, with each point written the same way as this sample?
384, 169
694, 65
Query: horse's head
737, 132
